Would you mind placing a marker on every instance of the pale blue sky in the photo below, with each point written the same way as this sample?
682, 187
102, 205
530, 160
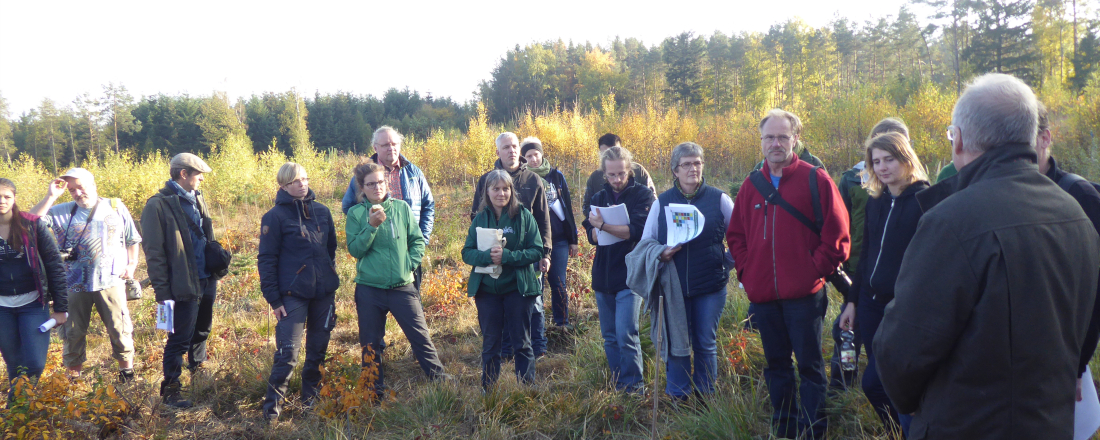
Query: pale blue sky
60, 49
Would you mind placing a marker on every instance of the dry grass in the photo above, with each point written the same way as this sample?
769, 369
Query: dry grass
572, 398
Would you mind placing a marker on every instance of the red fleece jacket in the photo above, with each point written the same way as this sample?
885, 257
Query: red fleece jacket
777, 257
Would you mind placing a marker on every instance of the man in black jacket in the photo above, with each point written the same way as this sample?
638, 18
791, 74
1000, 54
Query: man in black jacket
532, 194
996, 291
1084, 192
619, 307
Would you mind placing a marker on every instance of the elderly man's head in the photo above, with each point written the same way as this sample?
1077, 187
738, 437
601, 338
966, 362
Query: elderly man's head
81, 186
508, 150
387, 143
994, 110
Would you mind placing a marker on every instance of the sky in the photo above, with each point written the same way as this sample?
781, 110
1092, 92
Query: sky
62, 49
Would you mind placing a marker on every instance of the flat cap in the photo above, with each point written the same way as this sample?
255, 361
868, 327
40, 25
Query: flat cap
189, 161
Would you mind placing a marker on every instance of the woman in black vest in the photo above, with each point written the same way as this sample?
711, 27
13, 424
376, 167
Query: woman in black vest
703, 265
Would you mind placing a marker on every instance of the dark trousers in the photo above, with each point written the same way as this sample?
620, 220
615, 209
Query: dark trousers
491, 311
193, 321
868, 317
537, 327
24, 347
316, 318
559, 297
372, 304
786, 326
418, 275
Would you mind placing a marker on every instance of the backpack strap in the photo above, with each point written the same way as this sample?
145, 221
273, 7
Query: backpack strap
1068, 180
815, 195
771, 195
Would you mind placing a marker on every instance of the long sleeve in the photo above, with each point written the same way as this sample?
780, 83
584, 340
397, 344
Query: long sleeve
470, 253
935, 295
267, 258
349, 197
54, 268
735, 232
835, 238
541, 210
567, 202
649, 231
156, 259
857, 281
415, 240
427, 209
1089, 200
360, 232
531, 251
476, 205
639, 215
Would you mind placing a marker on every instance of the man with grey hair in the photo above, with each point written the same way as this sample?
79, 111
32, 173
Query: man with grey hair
531, 194
782, 259
99, 243
404, 180
996, 290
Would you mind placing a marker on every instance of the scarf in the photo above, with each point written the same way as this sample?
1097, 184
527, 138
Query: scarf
541, 170
676, 182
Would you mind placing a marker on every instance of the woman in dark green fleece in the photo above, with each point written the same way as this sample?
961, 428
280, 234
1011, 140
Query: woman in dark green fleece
513, 292
386, 240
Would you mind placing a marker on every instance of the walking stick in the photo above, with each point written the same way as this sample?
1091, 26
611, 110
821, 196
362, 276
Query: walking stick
657, 373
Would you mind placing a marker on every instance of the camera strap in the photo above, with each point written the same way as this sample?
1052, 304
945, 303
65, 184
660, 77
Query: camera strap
72, 215
771, 195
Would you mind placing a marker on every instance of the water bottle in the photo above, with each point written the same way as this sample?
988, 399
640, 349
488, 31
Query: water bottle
847, 350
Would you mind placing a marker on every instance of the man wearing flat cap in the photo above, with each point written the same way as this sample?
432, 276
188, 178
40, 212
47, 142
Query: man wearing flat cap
177, 230
99, 243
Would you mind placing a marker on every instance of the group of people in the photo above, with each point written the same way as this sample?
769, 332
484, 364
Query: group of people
974, 298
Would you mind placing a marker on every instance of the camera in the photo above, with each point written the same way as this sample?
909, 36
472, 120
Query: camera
68, 254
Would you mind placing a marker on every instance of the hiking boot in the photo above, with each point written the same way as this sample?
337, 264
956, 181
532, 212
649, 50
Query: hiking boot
171, 395
126, 375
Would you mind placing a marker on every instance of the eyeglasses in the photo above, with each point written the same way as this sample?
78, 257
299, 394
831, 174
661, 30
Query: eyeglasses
301, 181
372, 185
387, 145
689, 165
621, 175
951, 133
783, 138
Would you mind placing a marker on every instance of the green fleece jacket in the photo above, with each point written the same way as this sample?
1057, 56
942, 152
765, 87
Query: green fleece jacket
522, 250
387, 254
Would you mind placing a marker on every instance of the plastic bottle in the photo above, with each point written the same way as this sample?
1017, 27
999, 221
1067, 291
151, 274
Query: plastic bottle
847, 351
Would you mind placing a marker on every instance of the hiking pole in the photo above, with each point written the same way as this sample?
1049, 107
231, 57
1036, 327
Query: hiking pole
657, 373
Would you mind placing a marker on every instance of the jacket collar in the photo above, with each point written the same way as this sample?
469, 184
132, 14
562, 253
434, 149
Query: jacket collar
912, 189
629, 185
998, 161
522, 166
284, 198
402, 162
1054, 172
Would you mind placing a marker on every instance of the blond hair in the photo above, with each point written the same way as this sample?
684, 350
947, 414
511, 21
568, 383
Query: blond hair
289, 172
897, 145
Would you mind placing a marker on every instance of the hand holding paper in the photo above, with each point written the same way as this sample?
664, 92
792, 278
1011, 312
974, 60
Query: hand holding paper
487, 240
611, 215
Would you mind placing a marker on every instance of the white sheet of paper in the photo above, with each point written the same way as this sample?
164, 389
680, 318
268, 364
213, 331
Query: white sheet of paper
684, 223
1086, 414
559, 209
166, 316
487, 238
612, 215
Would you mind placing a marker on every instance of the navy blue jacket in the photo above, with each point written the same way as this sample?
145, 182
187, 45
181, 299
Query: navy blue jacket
609, 264
880, 258
566, 229
701, 262
1084, 192
297, 254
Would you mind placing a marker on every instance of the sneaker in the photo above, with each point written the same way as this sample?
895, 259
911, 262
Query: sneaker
176, 400
126, 376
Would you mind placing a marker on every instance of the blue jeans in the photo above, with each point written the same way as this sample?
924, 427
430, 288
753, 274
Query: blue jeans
22, 345
868, 317
491, 310
559, 297
703, 313
619, 314
786, 326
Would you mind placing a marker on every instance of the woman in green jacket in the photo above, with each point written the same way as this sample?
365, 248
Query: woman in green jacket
513, 291
387, 244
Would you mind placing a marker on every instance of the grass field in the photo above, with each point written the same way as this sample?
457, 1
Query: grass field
572, 398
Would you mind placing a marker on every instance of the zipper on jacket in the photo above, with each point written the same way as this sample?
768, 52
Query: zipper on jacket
775, 269
882, 241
